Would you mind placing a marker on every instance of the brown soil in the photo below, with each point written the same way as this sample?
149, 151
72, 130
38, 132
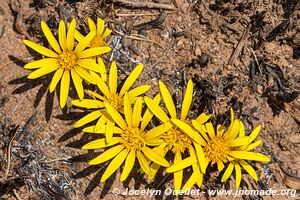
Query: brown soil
196, 41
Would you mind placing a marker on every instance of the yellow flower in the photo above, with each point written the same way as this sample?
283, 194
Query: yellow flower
110, 95
66, 60
97, 41
239, 163
220, 148
175, 139
133, 141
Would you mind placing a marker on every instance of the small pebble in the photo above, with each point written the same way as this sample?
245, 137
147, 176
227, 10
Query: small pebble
259, 89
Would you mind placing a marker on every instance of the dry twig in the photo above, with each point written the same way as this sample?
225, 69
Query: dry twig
146, 5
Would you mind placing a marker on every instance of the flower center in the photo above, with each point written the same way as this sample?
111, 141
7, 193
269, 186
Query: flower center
217, 149
132, 139
177, 140
115, 101
97, 41
67, 60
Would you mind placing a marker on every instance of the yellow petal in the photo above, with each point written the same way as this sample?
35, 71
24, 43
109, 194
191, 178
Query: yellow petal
254, 133
239, 141
203, 118
210, 130
233, 131
242, 130
131, 79
64, 88
62, 38
143, 162
101, 121
167, 99
91, 52
92, 25
42, 71
102, 130
51, 39
100, 26
254, 145
154, 142
85, 41
220, 165
88, 103
102, 68
109, 130
127, 110
41, 63
155, 157
78, 36
220, 130
128, 165
107, 155
88, 118
70, 35
158, 130
189, 131
148, 114
114, 165
103, 88
84, 74
137, 111
187, 100
55, 79
113, 78
227, 172
115, 115
249, 156
182, 164
196, 175
156, 110
178, 175
138, 91
106, 33
40, 49
238, 174
249, 169
199, 128
77, 83
89, 64
101, 143
201, 157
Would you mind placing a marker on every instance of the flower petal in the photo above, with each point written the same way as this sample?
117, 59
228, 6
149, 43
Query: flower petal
249, 169
137, 111
178, 174
85, 41
84, 74
143, 162
227, 172
187, 100
238, 174
109, 130
155, 157
138, 91
40, 49
92, 25
55, 79
102, 130
199, 128
233, 131
102, 68
91, 52
245, 155
253, 145
51, 39
131, 79
148, 114
70, 35
254, 133
77, 83
101, 121
242, 130
182, 164
240, 141
42, 71
196, 175
89, 64
115, 115
64, 88
127, 110
78, 36
129, 162
158, 130
100, 26
107, 155
167, 99
201, 157
220, 165
189, 131
113, 78
41, 63
88, 103
88, 118
101, 143
203, 118
103, 88
114, 165
106, 33
62, 38
156, 110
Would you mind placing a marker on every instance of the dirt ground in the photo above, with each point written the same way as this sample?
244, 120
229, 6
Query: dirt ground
240, 54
